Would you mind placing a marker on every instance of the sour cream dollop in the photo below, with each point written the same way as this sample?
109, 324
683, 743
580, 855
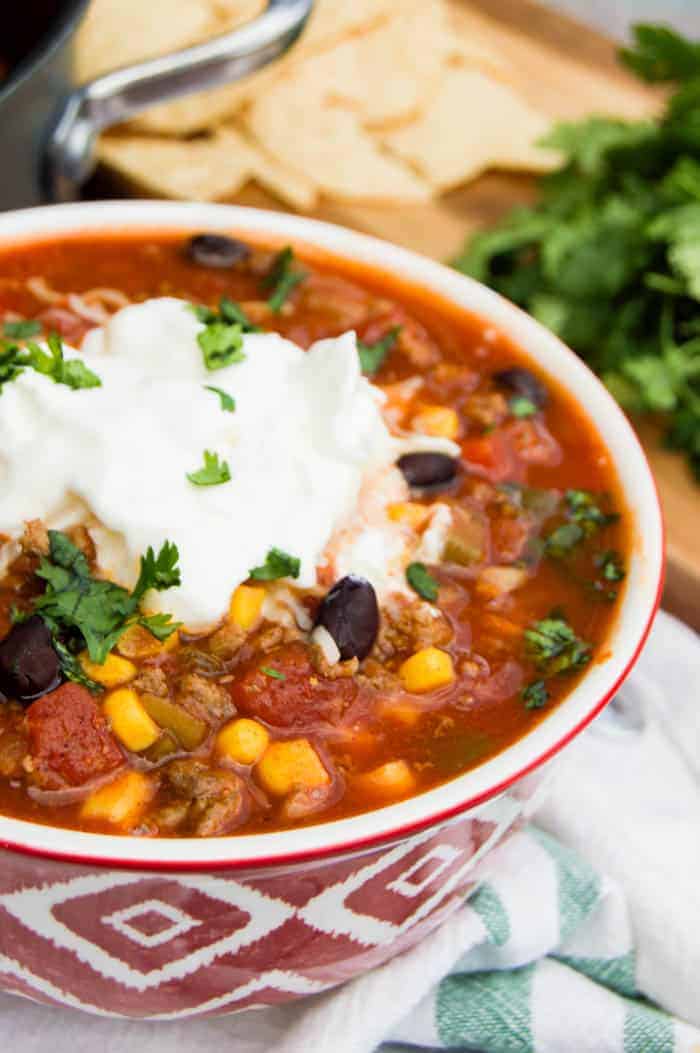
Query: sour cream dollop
306, 435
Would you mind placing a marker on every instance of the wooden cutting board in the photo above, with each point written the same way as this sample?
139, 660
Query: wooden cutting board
568, 71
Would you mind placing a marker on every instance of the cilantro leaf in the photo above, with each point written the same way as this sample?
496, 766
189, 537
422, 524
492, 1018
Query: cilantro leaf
553, 646
372, 355
278, 564
522, 407
77, 606
228, 403
422, 582
610, 566
661, 54
158, 572
584, 519
535, 695
584, 511
230, 313
212, 473
234, 314
221, 345
282, 279
562, 540
12, 362
275, 674
21, 330
73, 373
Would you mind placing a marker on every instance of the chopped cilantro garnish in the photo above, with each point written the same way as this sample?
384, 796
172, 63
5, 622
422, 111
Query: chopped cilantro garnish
610, 566
282, 278
562, 540
212, 473
274, 673
583, 510
585, 518
422, 582
554, 647
535, 695
522, 407
228, 403
278, 564
13, 361
234, 314
95, 612
230, 313
372, 355
21, 330
73, 373
221, 345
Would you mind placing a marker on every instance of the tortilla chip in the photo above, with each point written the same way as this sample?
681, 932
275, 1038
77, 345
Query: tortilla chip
204, 169
388, 74
473, 124
330, 22
117, 33
330, 145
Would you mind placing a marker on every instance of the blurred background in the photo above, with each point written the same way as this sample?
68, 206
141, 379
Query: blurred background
614, 16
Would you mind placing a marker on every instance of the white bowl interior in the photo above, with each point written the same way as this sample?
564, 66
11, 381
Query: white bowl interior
600, 682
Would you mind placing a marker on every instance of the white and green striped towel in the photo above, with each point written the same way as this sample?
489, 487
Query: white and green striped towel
583, 938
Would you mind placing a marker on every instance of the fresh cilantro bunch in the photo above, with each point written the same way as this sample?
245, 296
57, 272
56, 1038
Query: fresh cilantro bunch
609, 257
93, 612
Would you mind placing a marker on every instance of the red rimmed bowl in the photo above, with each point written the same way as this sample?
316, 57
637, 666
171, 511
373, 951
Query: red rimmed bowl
175, 927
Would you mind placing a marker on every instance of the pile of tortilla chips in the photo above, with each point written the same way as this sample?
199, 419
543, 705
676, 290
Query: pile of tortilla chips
380, 101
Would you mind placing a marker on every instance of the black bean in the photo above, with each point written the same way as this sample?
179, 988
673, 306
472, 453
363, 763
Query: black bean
349, 612
29, 666
427, 470
522, 382
216, 250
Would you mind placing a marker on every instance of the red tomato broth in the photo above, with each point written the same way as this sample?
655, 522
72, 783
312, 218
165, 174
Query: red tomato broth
457, 726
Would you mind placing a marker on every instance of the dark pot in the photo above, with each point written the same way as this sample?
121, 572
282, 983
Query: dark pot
48, 124
39, 78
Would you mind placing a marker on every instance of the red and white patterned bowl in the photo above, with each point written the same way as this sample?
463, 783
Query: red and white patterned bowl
169, 928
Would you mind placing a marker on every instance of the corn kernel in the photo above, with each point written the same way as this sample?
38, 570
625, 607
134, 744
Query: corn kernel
243, 741
406, 713
393, 779
291, 765
130, 721
113, 672
427, 670
246, 604
120, 802
437, 420
410, 513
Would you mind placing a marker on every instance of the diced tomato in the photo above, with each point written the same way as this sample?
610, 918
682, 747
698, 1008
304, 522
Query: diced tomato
534, 443
378, 327
69, 740
491, 457
509, 538
302, 699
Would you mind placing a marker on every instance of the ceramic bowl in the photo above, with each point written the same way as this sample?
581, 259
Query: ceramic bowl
174, 927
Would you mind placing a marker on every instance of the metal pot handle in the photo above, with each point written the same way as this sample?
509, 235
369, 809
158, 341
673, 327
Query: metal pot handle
68, 156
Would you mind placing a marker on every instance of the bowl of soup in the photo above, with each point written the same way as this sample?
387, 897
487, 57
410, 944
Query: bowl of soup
315, 553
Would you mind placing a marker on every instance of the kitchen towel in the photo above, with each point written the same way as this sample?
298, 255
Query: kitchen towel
584, 936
